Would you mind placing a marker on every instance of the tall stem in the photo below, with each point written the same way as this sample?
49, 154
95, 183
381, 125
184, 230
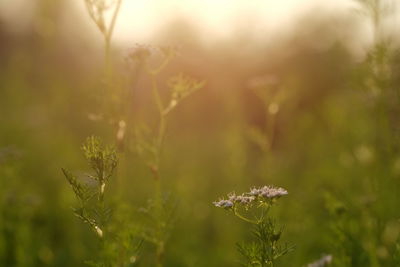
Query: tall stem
107, 40
113, 20
162, 117
107, 61
159, 254
156, 169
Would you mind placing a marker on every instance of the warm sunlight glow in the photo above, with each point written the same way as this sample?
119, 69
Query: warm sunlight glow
140, 20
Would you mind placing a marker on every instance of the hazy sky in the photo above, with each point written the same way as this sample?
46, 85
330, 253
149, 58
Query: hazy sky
139, 19
216, 18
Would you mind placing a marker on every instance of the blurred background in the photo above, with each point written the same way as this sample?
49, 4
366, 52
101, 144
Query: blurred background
299, 94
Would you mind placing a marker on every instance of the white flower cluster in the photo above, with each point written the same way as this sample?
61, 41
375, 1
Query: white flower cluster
223, 203
265, 192
268, 192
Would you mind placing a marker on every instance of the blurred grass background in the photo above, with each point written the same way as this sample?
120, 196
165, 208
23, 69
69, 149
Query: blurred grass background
333, 136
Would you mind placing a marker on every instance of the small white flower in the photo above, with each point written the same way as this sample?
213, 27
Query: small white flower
245, 200
223, 203
268, 192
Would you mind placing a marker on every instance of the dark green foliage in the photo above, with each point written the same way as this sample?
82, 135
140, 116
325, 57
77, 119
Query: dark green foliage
396, 255
157, 222
266, 249
82, 191
118, 236
103, 161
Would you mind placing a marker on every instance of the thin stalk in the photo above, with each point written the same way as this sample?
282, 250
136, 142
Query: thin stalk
161, 132
107, 61
158, 211
159, 254
269, 127
160, 245
160, 67
107, 41
156, 94
162, 120
113, 20
264, 212
236, 213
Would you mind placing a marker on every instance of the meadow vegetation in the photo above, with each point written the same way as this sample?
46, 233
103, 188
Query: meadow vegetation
112, 157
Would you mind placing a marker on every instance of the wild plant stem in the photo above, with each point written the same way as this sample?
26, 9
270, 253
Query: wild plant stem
159, 144
158, 212
107, 41
157, 70
235, 212
113, 20
107, 61
156, 95
161, 132
270, 128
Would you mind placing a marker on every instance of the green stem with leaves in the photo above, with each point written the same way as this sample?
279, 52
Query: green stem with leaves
156, 171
